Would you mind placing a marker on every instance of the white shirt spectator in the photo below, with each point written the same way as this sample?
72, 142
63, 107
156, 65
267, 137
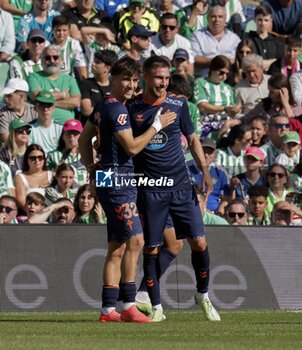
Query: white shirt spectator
296, 86
7, 33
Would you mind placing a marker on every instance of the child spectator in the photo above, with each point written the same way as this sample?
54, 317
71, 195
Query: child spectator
257, 204
34, 203
259, 127
253, 161
291, 155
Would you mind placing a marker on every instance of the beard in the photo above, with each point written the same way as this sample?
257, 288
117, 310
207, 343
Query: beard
52, 69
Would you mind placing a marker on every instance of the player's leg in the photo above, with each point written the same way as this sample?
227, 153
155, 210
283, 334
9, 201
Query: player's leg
111, 278
153, 207
187, 219
167, 254
201, 265
130, 313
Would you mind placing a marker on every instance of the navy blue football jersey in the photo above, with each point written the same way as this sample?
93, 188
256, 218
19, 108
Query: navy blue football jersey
163, 158
111, 116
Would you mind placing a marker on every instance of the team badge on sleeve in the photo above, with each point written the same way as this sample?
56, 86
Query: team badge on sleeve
122, 119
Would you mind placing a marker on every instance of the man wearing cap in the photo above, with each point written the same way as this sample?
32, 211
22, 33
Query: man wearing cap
212, 41
16, 107
140, 41
167, 41
39, 17
63, 87
290, 156
45, 131
30, 61
94, 89
219, 176
7, 35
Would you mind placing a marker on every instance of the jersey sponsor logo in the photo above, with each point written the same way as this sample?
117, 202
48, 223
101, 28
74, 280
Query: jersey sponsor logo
104, 178
158, 141
122, 119
174, 102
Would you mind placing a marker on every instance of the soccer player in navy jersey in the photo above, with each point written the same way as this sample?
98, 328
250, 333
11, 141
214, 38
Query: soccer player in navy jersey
114, 181
168, 189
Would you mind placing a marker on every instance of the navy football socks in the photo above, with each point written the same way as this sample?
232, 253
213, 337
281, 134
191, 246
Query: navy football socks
152, 281
201, 266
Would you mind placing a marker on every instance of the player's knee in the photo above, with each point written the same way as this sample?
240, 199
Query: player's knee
174, 247
136, 243
199, 244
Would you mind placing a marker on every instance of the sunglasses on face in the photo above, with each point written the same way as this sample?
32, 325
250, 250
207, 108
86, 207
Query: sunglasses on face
34, 158
281, 125
223, 72
7, 209
37, 40
49, 57
279, 175
23, 130
232, 215
165, 27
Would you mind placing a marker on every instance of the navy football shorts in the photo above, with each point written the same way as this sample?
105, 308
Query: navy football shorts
123, 221
183, 207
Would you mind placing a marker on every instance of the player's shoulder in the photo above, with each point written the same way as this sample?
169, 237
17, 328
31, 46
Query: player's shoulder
174, 99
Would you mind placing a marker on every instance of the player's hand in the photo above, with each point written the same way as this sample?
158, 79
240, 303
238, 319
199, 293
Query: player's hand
207, 184
166, 118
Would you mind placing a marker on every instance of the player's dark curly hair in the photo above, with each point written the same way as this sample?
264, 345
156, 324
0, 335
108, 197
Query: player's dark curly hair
126, 66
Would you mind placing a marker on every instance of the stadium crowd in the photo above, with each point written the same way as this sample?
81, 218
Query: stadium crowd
239, 67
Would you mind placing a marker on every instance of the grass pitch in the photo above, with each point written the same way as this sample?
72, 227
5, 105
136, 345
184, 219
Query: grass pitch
250, 330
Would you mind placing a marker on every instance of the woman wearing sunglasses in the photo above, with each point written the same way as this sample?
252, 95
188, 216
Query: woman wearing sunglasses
14, 148
278, 182
34, 177
214, 98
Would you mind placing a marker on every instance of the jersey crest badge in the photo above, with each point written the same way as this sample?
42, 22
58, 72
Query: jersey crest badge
122, 119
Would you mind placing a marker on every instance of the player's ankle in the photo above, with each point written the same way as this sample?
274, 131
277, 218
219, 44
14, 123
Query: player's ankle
107, 310
157, 307
142, 297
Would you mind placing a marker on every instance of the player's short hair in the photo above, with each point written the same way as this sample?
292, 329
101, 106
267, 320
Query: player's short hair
126, 66
258, 191
60, 21
156, 61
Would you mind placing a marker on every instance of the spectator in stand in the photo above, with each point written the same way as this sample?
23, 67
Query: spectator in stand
180, 65
22, 65
68, 151
230, 155
253, 162
218, 174
7, 36
267, 45
16, 107
192, 17
17, 9
73, 59
8, 210
61, 212
251, 90
167, 40
165, 6
259, 127
15, 146
289, 63
45, 131
279, 100
40, 17
6, 180
84, 14
257, 204
296, 86
212, 41
111, 6
87, 208
287, 16
244, 48
137, 13
139, 41
290, 156
278, 126
62, 185
34, 177
278, 181
237, 212
212, 95
95, 89
34, 203
284, 212
63, 87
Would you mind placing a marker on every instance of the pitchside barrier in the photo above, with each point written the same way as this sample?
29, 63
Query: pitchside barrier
59, 268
